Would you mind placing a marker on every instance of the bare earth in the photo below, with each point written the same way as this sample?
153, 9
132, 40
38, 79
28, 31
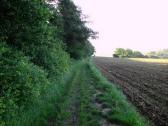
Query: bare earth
144, 83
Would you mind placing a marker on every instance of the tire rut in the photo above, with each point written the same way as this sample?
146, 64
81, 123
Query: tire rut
104, 110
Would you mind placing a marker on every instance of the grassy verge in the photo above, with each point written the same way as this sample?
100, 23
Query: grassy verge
87, 81
72, 102
62, 114
77, 108
121, 111
88, 114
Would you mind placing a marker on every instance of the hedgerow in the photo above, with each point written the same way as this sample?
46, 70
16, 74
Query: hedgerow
34, 51
21, 82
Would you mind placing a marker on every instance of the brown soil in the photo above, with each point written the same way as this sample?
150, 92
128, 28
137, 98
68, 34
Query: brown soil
144, 84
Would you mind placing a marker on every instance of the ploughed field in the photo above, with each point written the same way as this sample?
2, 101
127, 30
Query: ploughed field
143, 81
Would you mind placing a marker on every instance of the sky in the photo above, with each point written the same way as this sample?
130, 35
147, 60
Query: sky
136, 24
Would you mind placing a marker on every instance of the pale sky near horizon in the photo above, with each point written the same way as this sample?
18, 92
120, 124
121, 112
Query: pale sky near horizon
136, 24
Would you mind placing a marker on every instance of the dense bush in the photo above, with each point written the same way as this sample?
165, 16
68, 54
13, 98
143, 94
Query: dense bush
21, 82
26, 26
36, 40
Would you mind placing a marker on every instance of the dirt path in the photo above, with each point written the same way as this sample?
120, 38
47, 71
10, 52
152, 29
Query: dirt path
104, 110
145, 84
83, 106
68, 115
73, 107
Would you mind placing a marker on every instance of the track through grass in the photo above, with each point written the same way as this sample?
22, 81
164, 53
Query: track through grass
92, 101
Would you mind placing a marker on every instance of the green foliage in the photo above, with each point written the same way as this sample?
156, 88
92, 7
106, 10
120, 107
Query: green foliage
26, 27
120, 52
78, 96
83, 50
36, 40
75, 32
158, 54
47, 106
54, 59
129, 52
138, 54
88, 49
23, 22
21, 82
121, 110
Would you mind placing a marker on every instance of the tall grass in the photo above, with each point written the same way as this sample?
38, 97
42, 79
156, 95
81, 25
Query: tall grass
121, 110
79, 92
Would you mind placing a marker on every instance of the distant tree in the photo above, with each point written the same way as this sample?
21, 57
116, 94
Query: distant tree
163, 53
120, 52
128, 53
138, 54
158, 54
152, 53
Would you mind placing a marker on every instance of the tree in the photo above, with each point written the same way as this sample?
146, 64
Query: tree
137, 54
33, 39
26, 26
163, 53
158, 54
128, 53
75, 32
120, 52
152, 53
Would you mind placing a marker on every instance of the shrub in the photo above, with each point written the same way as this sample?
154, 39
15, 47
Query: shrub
21, 82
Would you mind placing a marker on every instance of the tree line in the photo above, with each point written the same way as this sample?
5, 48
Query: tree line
120, 52
38, 39
158, 54
128, 53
